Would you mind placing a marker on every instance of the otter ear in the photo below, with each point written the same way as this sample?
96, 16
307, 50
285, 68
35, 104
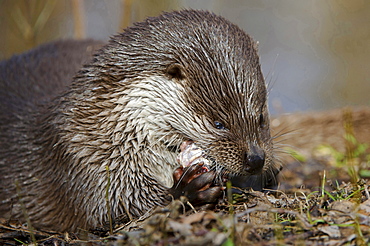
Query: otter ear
175, 71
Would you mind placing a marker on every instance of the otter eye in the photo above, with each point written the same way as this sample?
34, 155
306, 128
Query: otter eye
219, 125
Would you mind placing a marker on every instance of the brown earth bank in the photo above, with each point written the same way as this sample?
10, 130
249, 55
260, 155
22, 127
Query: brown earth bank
323, 197
319, 141
306, 131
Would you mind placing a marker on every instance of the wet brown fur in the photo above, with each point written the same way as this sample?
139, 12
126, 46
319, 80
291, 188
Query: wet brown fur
161, 82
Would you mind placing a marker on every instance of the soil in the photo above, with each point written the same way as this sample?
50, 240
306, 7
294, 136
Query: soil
323, 197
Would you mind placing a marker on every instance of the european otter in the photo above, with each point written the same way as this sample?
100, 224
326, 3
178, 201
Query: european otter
186, 75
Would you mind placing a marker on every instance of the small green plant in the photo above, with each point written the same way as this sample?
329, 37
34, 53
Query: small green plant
231, 238
341, 195
108, 202
19, 241
356, 161
296, 154
25, 214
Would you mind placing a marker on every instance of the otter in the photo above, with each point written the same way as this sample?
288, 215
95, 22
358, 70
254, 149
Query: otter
182, 76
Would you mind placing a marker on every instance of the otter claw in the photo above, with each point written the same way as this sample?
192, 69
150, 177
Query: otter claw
197, 184
193, 178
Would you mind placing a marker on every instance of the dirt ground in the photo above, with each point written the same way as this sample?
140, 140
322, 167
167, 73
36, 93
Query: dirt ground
323, 197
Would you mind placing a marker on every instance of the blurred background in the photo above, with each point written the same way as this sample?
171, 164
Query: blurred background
314, 53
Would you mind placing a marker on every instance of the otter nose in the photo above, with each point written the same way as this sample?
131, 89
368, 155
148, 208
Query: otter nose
254, 160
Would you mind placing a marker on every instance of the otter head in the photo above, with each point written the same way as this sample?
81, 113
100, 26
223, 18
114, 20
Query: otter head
222, 92
224, 96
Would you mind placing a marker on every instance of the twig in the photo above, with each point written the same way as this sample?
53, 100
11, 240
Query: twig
79, 18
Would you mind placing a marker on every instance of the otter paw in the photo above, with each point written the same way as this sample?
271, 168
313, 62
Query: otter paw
197, 184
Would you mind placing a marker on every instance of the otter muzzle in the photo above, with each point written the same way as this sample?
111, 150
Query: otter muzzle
254, 160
